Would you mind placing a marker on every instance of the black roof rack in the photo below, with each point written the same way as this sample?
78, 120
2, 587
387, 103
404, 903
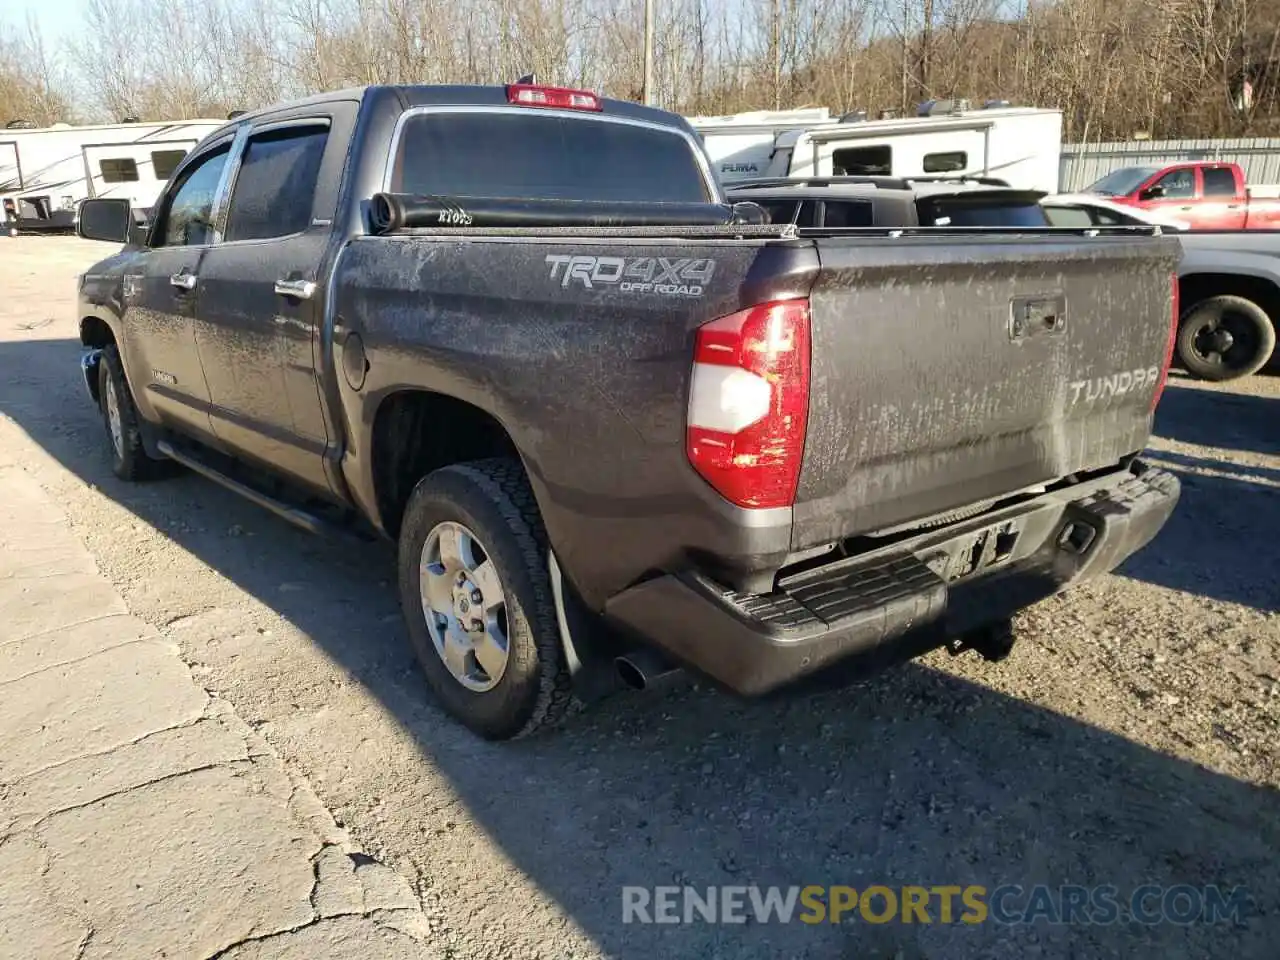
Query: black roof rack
887, 183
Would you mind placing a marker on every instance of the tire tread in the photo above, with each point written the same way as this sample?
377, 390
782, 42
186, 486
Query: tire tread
503, 484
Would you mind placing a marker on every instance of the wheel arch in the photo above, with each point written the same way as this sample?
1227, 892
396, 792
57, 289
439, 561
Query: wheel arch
416, 431
1195, 288
96, 332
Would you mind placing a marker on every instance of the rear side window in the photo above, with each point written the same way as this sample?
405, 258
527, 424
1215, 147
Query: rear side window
1219, 182
546, 157
863, 161
847, 213
165, 162
118, 170
276, 185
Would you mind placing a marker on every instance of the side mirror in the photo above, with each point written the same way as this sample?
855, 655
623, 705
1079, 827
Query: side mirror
108, 220
1152, 193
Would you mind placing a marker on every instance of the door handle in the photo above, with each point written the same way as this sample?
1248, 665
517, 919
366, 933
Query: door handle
183, 281
296, 289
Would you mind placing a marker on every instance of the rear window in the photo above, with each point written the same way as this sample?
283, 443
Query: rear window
964, 211
534, 155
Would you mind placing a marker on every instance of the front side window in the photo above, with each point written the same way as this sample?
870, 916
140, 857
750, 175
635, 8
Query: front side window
1178, 184
275, 187
118, 170
187, 219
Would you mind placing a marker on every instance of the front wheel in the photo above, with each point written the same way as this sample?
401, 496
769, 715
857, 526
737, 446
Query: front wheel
1223, 338
129, 460
477, 601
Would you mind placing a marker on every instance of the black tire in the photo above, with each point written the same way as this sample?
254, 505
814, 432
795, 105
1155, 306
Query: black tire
129, 460
491, 498
1201, 350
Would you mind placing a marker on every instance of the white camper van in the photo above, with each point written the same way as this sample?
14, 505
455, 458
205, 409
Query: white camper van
46, 172
1019, 145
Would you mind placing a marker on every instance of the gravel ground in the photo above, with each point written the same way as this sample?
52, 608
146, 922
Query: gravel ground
1131, 737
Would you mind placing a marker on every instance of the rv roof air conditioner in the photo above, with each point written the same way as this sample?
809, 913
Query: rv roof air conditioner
935, 108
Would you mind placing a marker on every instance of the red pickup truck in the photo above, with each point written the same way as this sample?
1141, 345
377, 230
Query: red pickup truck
1207, 195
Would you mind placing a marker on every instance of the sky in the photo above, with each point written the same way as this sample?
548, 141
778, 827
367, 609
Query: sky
55, 18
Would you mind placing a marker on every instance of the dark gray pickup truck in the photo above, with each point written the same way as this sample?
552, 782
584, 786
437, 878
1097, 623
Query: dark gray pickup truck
617, 425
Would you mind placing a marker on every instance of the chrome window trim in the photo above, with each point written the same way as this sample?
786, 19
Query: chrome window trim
198, 155
695, 145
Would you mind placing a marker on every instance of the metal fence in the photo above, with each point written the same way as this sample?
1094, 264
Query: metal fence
1083, 163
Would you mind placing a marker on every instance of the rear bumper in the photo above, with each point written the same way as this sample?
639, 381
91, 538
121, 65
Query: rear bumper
902, 599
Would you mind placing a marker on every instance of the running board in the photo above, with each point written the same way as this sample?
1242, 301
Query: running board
294, 515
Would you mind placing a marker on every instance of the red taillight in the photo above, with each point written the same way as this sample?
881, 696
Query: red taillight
530, 95
1168, 350
749, 403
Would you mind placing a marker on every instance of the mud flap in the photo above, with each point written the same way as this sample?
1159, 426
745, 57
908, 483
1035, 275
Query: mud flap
589, 647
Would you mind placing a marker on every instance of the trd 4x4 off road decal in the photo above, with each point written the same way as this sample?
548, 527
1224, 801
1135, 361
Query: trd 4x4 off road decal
674, 276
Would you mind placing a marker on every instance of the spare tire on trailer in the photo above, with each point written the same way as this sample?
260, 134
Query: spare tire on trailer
1225, 337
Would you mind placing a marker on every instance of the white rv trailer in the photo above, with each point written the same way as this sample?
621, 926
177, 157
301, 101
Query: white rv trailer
1020, 145
45, 173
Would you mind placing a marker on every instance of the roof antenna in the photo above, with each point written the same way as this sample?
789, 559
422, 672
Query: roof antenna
529, 79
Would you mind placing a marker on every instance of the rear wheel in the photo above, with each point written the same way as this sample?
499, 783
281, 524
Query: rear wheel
1225, 337
477, 601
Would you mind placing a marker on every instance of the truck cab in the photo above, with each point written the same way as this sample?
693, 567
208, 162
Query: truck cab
1207, 195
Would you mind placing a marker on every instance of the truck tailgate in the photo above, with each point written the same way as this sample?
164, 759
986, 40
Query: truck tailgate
946, 374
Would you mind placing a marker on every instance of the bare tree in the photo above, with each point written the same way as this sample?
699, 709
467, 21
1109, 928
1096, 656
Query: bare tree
33, 84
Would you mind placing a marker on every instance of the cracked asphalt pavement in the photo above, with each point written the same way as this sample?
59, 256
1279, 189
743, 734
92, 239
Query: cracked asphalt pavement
213, 737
